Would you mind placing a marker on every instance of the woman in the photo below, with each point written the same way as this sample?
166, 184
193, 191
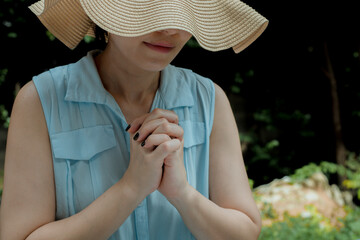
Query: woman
123, 145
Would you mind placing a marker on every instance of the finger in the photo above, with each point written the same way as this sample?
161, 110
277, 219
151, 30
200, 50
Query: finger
155, 140
169, 115
136, 123
163, 113
166, 148
171, 129
171, 161
159, 126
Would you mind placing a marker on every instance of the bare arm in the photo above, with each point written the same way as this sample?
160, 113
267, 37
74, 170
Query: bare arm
232, 212
28, 183
28, 204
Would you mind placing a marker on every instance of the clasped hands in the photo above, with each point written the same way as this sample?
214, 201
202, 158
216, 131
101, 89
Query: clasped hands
156, 155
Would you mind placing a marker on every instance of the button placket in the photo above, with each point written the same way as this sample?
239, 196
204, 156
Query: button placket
142, 221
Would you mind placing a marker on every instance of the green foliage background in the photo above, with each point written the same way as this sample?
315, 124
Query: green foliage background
299, 228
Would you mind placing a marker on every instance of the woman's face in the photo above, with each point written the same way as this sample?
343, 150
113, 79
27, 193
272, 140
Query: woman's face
150, 52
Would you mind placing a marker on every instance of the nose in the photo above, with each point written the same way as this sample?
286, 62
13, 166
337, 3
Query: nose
169, 31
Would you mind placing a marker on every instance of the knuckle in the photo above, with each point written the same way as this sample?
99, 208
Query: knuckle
165, 126
144, 128
139, 120
166, 146
163, 120
175, 116
150, 138
181, 131
157, 111
148, 141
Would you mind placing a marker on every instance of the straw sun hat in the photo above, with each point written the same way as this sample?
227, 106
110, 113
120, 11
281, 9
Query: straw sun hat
216, 24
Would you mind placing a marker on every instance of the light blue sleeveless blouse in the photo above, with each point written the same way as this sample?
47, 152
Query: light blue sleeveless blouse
91, 150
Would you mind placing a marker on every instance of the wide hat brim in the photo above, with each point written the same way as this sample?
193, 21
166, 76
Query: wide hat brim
216, 24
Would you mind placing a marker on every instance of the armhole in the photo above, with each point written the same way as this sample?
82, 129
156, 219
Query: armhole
212, 106
43, 87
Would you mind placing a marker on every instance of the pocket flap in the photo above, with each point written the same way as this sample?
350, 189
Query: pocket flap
194, 133
84, 143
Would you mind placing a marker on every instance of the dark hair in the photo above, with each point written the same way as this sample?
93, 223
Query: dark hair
100, 37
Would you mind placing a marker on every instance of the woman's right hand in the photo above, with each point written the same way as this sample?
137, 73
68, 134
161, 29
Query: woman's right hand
145, 170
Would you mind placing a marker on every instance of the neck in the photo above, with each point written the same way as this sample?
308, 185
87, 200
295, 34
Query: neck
127, 83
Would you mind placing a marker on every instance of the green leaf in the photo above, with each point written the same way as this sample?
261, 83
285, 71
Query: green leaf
192, 43
250, 73
3, 73
50, 36
356, 113
12, 35
272, 144
306, 133
235, 89
238, 78
247, 138
4, 116
263, 116
89, 39
251, 183
11, 11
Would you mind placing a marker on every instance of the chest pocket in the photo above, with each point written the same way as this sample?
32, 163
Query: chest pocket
194, 133
195, 152
84, 143
77, 158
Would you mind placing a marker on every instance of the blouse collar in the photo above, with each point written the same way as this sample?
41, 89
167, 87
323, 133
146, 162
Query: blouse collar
84, 85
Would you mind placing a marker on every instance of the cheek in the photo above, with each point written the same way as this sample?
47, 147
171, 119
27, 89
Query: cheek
185, 36
128, 49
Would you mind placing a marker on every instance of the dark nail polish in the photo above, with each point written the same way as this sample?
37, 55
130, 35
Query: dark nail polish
143, 143
128, 127
136, 136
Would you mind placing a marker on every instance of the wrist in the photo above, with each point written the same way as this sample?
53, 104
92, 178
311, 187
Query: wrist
131, 190
185, 196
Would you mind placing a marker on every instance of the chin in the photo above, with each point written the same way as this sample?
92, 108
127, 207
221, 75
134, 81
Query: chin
156, 67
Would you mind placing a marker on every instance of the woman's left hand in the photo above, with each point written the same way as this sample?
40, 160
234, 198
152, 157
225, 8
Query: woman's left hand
174, 183
154, 125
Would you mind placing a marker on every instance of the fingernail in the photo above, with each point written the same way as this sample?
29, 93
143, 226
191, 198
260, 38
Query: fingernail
128, 127
143, 143
136, 136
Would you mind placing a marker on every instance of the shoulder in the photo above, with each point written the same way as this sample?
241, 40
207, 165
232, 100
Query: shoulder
27, 96
27, 117
220, 96
223, 109
48, 76
27, 103
51, 85
193, 78
59, 75
202, 89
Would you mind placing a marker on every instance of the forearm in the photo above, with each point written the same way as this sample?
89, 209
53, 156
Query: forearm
207, 220
97, 221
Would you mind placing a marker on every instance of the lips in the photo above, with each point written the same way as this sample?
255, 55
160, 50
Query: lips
163, 47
